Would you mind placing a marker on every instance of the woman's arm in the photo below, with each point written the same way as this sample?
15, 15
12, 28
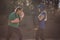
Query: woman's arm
15, 20
41, 17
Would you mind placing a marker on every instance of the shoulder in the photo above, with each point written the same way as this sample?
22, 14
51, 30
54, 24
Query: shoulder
44, 12
13, 13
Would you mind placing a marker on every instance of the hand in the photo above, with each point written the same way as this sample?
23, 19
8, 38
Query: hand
22, 15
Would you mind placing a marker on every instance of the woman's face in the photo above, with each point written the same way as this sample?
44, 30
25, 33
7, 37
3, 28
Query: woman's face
19, 11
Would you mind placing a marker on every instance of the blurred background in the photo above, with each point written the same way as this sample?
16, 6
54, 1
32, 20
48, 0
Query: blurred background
30, 22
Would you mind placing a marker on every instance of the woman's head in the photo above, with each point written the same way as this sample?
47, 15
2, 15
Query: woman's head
18, 10
41, 7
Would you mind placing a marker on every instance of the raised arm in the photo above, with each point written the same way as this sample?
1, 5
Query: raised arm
41, 17
15, 20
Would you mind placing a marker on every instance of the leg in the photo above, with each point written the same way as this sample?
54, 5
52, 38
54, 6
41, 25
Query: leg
37, 34
41, 35
9, 33
17, 31
19, 34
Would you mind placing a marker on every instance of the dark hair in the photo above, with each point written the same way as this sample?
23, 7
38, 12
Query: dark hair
18, 9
